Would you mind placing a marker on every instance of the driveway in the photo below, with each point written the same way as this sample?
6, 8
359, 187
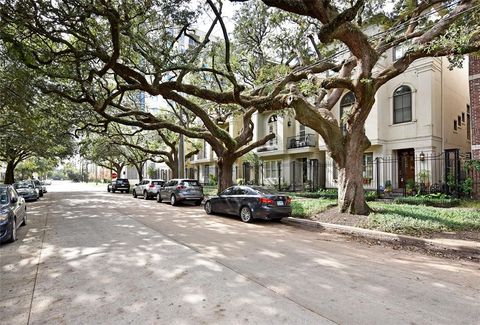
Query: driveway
92, 257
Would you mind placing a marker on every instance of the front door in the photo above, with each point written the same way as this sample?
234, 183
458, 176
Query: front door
406, 166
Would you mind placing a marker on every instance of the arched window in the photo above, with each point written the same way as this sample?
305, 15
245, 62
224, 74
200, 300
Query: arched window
345, 104
402, 105
272, 128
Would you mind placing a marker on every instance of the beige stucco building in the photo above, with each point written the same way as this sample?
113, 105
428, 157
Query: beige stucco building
417, 116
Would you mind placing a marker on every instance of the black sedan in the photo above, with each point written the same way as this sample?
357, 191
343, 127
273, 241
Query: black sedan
250, 202
13, 213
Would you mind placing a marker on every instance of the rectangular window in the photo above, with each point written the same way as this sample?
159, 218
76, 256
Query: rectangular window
368, 165
455, 125
204, 152
463, 117
402, 108
267, 169
302, 132
459, 119
270, 169
469, 130
206, 173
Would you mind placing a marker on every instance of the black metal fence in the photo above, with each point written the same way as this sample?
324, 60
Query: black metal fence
401, 175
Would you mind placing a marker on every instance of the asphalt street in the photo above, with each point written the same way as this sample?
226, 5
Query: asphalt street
92, 257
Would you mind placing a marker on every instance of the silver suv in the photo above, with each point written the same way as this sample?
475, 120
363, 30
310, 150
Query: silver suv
180, 189
148, 188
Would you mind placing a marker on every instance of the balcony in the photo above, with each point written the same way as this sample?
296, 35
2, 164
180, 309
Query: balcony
267, 148
302, 141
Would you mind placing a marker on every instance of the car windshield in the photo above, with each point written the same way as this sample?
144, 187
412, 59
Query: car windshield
122, 181
3, 196
190, 183
23, 185
263, 190
157, 183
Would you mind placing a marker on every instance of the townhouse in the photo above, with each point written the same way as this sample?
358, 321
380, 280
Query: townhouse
420, 119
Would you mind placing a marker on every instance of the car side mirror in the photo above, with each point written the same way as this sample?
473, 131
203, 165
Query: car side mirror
14, 200
136, 185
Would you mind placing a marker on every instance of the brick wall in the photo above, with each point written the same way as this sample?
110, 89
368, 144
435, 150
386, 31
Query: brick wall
474, 72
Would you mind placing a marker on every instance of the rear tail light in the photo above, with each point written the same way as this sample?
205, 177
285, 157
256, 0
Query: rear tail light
289, 200
151, 185
180, 187
266, 201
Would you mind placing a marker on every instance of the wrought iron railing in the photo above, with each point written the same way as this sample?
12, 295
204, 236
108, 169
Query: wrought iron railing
302, 141
267, 148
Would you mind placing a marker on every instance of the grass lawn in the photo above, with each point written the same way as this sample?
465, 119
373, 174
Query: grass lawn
210, 190
402, 218
304, 208
409, 219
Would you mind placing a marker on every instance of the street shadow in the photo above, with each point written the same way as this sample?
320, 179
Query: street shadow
114, 259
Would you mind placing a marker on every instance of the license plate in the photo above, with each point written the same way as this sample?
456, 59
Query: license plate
280, 203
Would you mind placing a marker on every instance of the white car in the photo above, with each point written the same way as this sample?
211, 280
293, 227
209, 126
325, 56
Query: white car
148, 188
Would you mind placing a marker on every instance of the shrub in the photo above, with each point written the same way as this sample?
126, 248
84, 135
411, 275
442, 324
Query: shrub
370, 196
321, 194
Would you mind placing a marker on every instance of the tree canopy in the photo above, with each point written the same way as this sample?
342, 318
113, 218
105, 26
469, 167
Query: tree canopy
98, 53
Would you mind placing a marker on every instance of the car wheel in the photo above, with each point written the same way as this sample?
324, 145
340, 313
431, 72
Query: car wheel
159, 198
40, 193
24, 222
145, 195
13, 235
246, 214
113, 191
134, 194
173, 200
208, 207
108, 189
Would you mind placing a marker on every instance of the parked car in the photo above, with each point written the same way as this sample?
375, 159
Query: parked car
250, 202
41, 188
27, 190
179, 189
44, 186
119, 184
13, 213
148, 188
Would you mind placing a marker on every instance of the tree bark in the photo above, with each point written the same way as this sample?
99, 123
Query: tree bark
173, 165
351, 195
9, 173
225, 172
139, 169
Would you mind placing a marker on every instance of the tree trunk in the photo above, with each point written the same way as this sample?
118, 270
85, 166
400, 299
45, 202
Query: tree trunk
118, 170
140, 172
351, 195
173, 165
225, 173
9, 173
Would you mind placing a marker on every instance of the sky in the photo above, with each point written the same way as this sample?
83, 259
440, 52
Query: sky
228, 12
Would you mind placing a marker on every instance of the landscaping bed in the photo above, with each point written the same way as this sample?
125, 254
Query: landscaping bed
421, 221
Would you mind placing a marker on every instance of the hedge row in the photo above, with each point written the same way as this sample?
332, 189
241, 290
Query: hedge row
369, 196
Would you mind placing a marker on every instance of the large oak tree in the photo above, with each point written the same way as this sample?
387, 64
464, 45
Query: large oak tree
97, 52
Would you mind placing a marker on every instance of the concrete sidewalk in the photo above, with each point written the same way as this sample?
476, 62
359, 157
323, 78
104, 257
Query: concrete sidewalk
461, 248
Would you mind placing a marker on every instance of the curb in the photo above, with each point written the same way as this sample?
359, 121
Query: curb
469, 249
